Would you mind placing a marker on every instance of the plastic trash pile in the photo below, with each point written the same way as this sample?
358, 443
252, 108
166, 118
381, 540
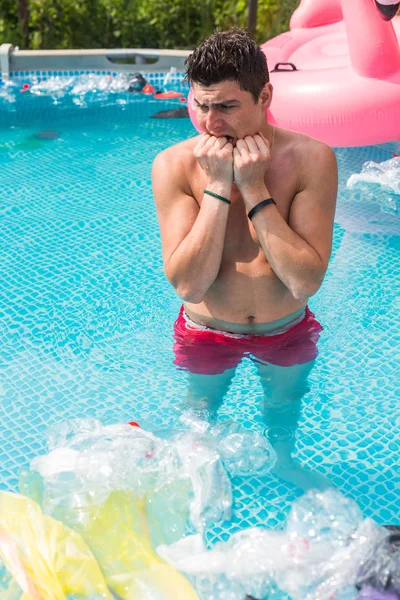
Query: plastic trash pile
107, 497
86, 83
326, 551
380, 182
88, 86
81, 88
119, 512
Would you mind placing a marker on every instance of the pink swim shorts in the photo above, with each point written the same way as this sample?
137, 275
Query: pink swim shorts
208, 351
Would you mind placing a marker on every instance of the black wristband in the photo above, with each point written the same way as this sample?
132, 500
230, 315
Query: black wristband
260, 205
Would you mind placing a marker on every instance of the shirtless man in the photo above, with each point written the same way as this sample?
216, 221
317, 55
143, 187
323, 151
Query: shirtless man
244, 265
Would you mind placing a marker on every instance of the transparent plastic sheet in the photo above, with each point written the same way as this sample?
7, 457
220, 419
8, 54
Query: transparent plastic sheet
183, 475
243, 453
232, 569
52, 562
212, 491
46, 559
319, 555
380, 182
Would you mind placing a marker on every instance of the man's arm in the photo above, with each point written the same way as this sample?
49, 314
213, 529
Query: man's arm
299, 251
192, 238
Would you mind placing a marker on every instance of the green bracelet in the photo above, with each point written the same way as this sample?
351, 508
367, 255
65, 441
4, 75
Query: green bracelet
217, 196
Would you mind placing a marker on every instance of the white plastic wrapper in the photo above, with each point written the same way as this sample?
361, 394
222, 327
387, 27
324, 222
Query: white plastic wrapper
231, 570
381, 182
320, 554
87, 461
321, 578
212, 491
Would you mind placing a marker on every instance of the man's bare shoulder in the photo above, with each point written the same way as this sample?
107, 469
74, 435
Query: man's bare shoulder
176, 157
310, 153
302, 146
173, 170
311, 158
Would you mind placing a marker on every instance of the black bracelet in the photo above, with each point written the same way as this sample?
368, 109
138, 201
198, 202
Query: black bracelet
218, 196
260, 205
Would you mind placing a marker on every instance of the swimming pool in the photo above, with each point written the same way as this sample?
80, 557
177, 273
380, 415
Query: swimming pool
86, 313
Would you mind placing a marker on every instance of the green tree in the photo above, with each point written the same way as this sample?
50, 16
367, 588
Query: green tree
273, 16
9, 26
132, 23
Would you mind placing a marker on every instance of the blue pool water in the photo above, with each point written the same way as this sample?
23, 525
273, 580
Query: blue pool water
86, 314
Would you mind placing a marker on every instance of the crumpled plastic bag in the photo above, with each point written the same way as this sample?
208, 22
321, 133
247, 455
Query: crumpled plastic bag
46, 559
183, 476
243, 453
325, 545
230, 570
50, 561
379, 181
212, 490
192, 462
189, 465
118, 535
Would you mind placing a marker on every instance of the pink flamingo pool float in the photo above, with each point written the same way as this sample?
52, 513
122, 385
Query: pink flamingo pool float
341, 80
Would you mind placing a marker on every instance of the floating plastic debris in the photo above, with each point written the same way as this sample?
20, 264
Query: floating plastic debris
54, 86
89, 88
8, 90
380, 182
141, 503
110, 558
91, 83
170, 76
318, 557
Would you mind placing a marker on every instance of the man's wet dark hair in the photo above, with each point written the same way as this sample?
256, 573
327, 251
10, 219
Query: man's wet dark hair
229, 55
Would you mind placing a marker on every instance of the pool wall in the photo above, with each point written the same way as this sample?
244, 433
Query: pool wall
13, 60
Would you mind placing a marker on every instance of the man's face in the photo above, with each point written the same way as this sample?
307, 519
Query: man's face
223, 109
